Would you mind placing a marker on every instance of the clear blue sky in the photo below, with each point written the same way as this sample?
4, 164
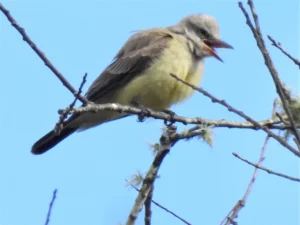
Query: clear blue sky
199, 183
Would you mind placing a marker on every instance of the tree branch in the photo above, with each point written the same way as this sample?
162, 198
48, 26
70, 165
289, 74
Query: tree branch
241, 203
278, 45
268, 62
166, 142
266, 169
243, 115
148, 211
64, 113
42, 56
162, 207
270, 123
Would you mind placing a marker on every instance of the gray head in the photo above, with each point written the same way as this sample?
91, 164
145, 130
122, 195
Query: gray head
201, 28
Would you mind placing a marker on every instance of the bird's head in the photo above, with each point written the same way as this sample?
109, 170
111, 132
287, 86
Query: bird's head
204, 31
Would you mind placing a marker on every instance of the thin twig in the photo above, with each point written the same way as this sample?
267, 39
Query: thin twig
278, 45
295, 140
266, 169
240, 113
42, 56
268, 62
241, 203
280, 117
162, 207
64, 113
165, 145
50, 207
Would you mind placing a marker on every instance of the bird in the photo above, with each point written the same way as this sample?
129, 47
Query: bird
139, 74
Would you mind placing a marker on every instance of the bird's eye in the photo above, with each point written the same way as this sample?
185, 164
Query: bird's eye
203, 32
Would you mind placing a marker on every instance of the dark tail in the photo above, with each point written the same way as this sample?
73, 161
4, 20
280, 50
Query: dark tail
50, 140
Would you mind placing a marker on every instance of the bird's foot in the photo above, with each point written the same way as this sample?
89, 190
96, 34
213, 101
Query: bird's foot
144, 111
171, 114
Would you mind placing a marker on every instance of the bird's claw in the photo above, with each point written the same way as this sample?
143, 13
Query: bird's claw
144, 111
171, 114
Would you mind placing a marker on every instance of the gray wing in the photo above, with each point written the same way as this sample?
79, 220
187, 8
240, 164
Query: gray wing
133, 58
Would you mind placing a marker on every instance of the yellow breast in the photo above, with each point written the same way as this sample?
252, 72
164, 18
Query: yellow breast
155, 88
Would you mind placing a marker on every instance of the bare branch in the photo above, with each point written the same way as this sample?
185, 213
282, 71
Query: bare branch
64, 113
278, 45
241, 203
266, 169
166, 143
268, 62
162, 207
243, 115
270, 123
167, 140
42, 56
50, 207
148, 211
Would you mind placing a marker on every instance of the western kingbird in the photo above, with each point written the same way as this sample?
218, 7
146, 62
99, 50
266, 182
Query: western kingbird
140, 72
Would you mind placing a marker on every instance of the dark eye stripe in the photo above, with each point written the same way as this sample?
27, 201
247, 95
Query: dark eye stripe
203, 32
200, 31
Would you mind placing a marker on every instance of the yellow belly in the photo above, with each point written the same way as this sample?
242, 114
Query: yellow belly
155, 88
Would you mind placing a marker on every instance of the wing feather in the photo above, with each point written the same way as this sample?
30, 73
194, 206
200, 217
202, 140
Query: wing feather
134, 57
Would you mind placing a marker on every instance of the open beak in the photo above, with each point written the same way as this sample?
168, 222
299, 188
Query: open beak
210, 46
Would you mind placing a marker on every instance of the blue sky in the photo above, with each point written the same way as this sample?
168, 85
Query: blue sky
89, 169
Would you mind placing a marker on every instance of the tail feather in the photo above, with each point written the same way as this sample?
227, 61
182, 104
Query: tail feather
76, 122
50, 140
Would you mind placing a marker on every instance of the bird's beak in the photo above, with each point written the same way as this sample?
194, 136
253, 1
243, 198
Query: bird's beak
210, 45
217, 44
